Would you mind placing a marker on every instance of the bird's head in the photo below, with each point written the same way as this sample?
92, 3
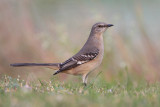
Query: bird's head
100, 27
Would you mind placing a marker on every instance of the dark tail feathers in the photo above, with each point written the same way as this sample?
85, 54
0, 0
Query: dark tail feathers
34, 64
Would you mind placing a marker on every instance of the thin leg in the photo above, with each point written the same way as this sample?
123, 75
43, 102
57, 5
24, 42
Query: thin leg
85, 78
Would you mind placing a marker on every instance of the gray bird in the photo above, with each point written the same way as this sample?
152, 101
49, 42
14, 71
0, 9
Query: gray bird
86, 60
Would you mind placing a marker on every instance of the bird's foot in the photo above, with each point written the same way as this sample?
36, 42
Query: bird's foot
85, 84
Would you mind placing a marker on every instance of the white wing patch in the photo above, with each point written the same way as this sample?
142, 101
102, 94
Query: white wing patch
85, 56
81, 62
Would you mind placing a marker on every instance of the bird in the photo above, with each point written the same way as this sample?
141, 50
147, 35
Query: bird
83, 62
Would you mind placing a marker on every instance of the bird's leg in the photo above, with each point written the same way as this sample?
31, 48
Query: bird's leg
85, 78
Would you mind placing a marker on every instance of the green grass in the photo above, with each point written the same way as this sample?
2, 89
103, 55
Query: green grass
16, 92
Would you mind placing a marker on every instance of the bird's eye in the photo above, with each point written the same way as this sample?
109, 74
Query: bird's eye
100, 26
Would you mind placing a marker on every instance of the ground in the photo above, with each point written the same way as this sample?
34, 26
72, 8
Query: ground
17, 93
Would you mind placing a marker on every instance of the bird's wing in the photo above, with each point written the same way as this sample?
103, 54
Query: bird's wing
78, 59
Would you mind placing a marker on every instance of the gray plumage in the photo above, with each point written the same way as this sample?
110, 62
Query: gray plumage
86, 60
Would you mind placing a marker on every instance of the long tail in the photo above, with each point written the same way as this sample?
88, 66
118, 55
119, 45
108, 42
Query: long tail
36, 64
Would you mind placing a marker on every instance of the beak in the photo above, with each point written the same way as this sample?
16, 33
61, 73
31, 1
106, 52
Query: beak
109, 25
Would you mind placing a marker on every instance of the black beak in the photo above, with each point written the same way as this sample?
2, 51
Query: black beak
109, 25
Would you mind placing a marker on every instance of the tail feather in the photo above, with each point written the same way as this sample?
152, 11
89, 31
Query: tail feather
48, 65
34, 64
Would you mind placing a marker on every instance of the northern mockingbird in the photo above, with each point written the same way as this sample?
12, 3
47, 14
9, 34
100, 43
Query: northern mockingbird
86, 60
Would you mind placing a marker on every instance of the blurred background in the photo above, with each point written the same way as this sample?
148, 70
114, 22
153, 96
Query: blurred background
53, 30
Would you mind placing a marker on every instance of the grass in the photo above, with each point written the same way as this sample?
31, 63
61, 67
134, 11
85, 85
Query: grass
17, 92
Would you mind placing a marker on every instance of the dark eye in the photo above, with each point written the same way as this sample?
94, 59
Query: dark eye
100, 26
